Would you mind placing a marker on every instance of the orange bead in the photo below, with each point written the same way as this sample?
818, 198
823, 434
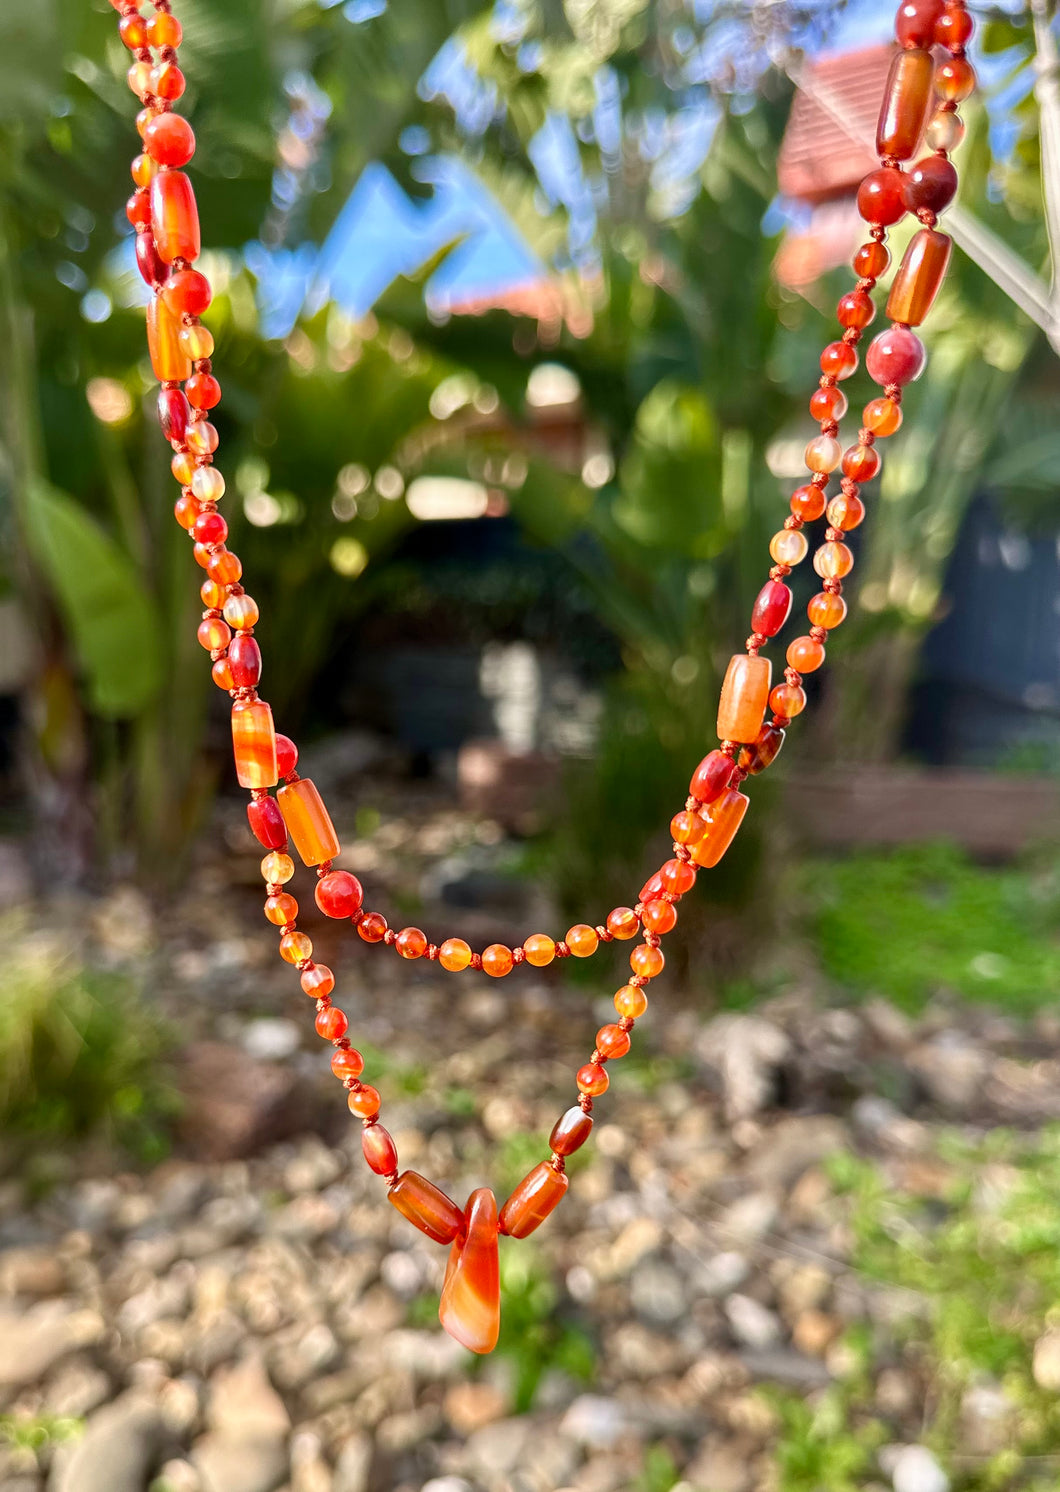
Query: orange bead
214, 634
317, 981
212, 594
164, 30
861, 462
582, 940
347, 1063
379, 1150
221, 673
592, 1079
426, 1206
308, 821
540, 950
631, 1001
744, 693
659, 916
763, 751
826, 610
882, 416
532, 1200
906, 103
612, 1042
174, 217
570, 1131
623, 923
454, 955
281, 908
687, 828
470, 1307
954, 79
497, 961
143, 169
805, 654
241, 612
788, 700
254, 743
833, 560
167, 81
675, 876
168, 359
807, 502
363, 1101
372, 927
183, 467
411, 942
225, 567
920, 276
846, 511
331, 1023
726, 816
647, 961
295, 947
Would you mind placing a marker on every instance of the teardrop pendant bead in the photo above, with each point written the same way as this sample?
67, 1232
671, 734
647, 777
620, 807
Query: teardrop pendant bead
470, 1308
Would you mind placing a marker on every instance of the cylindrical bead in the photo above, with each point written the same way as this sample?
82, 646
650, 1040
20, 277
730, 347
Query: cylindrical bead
532, 1200
726, 816
308, 821
920, 274
426, 1206
906, 101
254, 743
174, 217
744, 695
169, 360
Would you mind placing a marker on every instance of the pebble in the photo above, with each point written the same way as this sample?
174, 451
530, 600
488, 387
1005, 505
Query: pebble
122, 1441
38, 1339
353, 1466
1046, 1362
753, 1324
594, 1421
916, 1470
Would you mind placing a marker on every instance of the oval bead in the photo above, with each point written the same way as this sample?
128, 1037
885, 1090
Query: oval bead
771, 609
907, 99
266, 823
711, 777
152, 269
744, 695
174, 217
726, 816
173, 414
765, 750
920, 276
532, 1201
426, 1206
254, 743
931, 184
308, 821
571, 1130
244, 658
379, 1150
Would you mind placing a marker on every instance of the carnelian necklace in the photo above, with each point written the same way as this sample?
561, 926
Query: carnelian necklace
929, 77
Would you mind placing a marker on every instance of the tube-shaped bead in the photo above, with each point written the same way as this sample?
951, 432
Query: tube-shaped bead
170, 362
532, 1200
254, 743
426, 1206
919, 277
174, 217
308, 821
906, 101
744, 695
726, 816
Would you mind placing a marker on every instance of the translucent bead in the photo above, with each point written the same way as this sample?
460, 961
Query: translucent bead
805, 654
208, 484
213, 595
533, 1199
839, 360
185, 511
183, 467
788, 546
954, 79
426, 1206
277, 869
954, 27
646, 961
829, 403
317, 982
266, 823
139, 78
203, 391
623, 923
743, 697
861, 463
168, 359
254, 743
132, 29
379, 1149
295, 947
763, 751
151, 268
771, 609
945, 131
871, 260
187, 292
347, 1062
411, 942
882, 416
364, 1102
631, 1001
807, 503
470, 1307
286, 755
173, 414
833, 560
822, 453
339, 894
788, 700
826, 610
880, 197
687, 828
896, 356
209, 528
143, 169
280, 909
241, 612
214, 634
164, 30
174, 217
907, 100
711, 777
170, 140
856, 309
612, 1042
726, 816
540, 950
592, 1079
167, 81
845, 511
372, 928
244, 657
221, 673
920, 276
930, 184
570, 1131
454, 955
308, 821
582, 940
675, 876
497, 961
331, 1023
914, 24
659, 916
197, 342
225, 567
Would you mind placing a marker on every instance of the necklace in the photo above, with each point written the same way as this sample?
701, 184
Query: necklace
921, 96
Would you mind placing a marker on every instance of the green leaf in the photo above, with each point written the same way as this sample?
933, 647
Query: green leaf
112, 620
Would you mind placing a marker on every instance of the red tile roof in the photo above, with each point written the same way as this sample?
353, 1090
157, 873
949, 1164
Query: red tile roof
828, 144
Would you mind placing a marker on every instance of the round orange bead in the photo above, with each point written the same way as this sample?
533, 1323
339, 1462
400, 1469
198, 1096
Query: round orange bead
454, 955
612, 1042
164, 30
331, 1023
372, 927
623, 923
214, 634
582, 940
846, 511
826, 610
807, 502
788, 700
213, 594
882, 416
647, 961
183, 467
659, 916
222, 673
687, 828
410, 942
497, 961
318, 981
295, 946
592, 1079
677, 877
631, 1001
364, 1102
281, 908
540, 950
225, 567
805, 654
833, 560
347, 1062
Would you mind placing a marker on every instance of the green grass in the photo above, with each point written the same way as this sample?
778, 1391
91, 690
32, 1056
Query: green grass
38, 1432
925, 920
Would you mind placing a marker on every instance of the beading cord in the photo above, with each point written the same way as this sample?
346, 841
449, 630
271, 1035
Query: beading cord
920, 101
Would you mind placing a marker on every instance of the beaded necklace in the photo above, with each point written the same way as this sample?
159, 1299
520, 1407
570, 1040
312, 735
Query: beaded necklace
929, 77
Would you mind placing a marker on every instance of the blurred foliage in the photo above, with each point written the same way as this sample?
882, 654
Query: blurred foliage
79, 1052
925, 920
38, 1432
978, 1271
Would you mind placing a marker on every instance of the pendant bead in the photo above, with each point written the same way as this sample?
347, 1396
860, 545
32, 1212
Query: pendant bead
470, 1308
308, 821
539, 1192
744, 695
426, 1206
